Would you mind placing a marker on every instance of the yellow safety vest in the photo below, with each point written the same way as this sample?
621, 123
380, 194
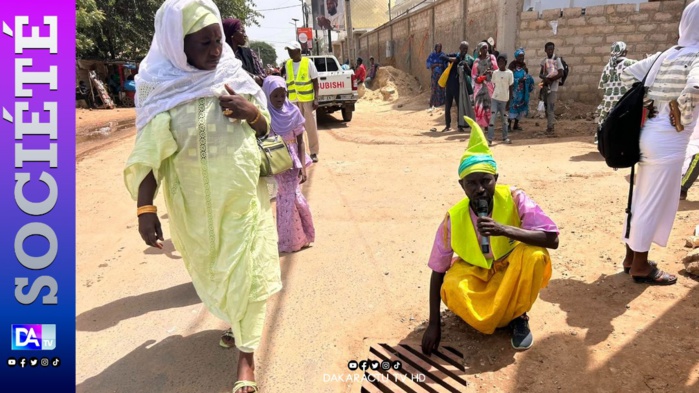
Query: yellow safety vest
301, 87
464, 241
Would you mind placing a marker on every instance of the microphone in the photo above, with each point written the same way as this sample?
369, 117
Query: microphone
482, 211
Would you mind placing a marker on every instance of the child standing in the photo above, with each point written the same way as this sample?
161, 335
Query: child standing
504, 80
294, 220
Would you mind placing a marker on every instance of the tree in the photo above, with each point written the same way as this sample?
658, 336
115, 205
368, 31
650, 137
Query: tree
87, 15
126, 29
268, 54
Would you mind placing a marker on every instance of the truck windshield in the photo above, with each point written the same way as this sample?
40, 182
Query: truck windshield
324, 64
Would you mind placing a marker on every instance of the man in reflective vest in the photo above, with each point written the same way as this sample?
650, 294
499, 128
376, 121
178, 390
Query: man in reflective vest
302, 85
500, 238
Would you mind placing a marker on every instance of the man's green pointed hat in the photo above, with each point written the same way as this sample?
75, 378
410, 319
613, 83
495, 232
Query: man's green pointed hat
477, 157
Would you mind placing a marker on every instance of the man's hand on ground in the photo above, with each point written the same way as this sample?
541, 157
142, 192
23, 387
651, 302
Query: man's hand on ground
431, 339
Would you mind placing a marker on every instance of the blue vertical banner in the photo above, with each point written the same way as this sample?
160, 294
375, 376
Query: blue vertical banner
37, 196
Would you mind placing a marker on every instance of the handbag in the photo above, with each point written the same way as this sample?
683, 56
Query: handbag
445, 76
275, 157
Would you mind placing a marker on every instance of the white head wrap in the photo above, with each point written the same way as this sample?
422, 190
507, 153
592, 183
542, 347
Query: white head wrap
689, 41
166, 80
689, 26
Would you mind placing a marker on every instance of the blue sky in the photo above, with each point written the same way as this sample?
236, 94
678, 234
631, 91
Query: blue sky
276, 27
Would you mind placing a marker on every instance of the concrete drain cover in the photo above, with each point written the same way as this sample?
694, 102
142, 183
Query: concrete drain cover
404, 368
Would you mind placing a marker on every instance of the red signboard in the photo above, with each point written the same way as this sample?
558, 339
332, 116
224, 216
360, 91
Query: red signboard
305, 37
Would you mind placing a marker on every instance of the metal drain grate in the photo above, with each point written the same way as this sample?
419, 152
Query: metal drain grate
441, 372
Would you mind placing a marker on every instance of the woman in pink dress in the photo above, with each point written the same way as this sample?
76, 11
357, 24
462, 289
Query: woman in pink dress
481, 74
294, 221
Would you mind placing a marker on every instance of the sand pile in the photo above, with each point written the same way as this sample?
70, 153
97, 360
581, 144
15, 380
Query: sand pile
390, 84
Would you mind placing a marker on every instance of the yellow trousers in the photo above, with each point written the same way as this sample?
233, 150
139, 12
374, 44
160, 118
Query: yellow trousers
490, 298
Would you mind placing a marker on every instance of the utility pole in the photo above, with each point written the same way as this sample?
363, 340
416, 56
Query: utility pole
330, 40
350, 30
296, 31
389, 11
305, 10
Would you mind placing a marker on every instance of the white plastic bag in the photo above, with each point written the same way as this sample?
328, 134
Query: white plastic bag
541, 107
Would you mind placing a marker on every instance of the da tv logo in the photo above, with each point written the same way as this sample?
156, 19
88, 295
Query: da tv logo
33, 337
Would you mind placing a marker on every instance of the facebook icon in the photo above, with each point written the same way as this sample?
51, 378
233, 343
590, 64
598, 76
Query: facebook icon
33, 337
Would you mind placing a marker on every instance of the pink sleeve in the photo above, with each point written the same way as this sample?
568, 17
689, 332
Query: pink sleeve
494, 62
442, 254
531, 215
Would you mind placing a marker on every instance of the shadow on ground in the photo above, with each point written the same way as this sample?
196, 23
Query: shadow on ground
175, 365
660, 358
111, 314
167, 250
591, 156
608, 297
688, 205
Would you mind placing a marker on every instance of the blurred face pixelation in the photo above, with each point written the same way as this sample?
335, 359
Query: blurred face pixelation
479, 185
484, 50
278, 97
332, 6
549, 50
239, 37
204, 47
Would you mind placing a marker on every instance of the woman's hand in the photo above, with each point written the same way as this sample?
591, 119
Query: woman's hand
303, 175
489, 227
431, 339
150, 229
237, 107
652, 112
673, 121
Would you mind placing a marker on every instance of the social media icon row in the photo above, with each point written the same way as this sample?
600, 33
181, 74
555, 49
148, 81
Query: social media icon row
33, 362
374, 365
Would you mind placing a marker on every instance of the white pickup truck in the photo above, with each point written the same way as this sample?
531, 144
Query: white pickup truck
337, 87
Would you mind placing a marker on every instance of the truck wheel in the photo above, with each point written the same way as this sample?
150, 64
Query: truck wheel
347, 115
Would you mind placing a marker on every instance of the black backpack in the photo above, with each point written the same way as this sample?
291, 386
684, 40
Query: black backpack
619, 136
566, 69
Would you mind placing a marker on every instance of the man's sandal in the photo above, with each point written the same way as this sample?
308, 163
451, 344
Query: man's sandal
655, 277
245, 384
627, 270
228, 334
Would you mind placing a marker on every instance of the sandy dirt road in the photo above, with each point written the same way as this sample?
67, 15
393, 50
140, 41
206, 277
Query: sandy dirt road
382, 186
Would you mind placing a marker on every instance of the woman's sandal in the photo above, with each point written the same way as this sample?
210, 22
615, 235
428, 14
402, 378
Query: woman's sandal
228, 334
245, 384
627, 270
655, 277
